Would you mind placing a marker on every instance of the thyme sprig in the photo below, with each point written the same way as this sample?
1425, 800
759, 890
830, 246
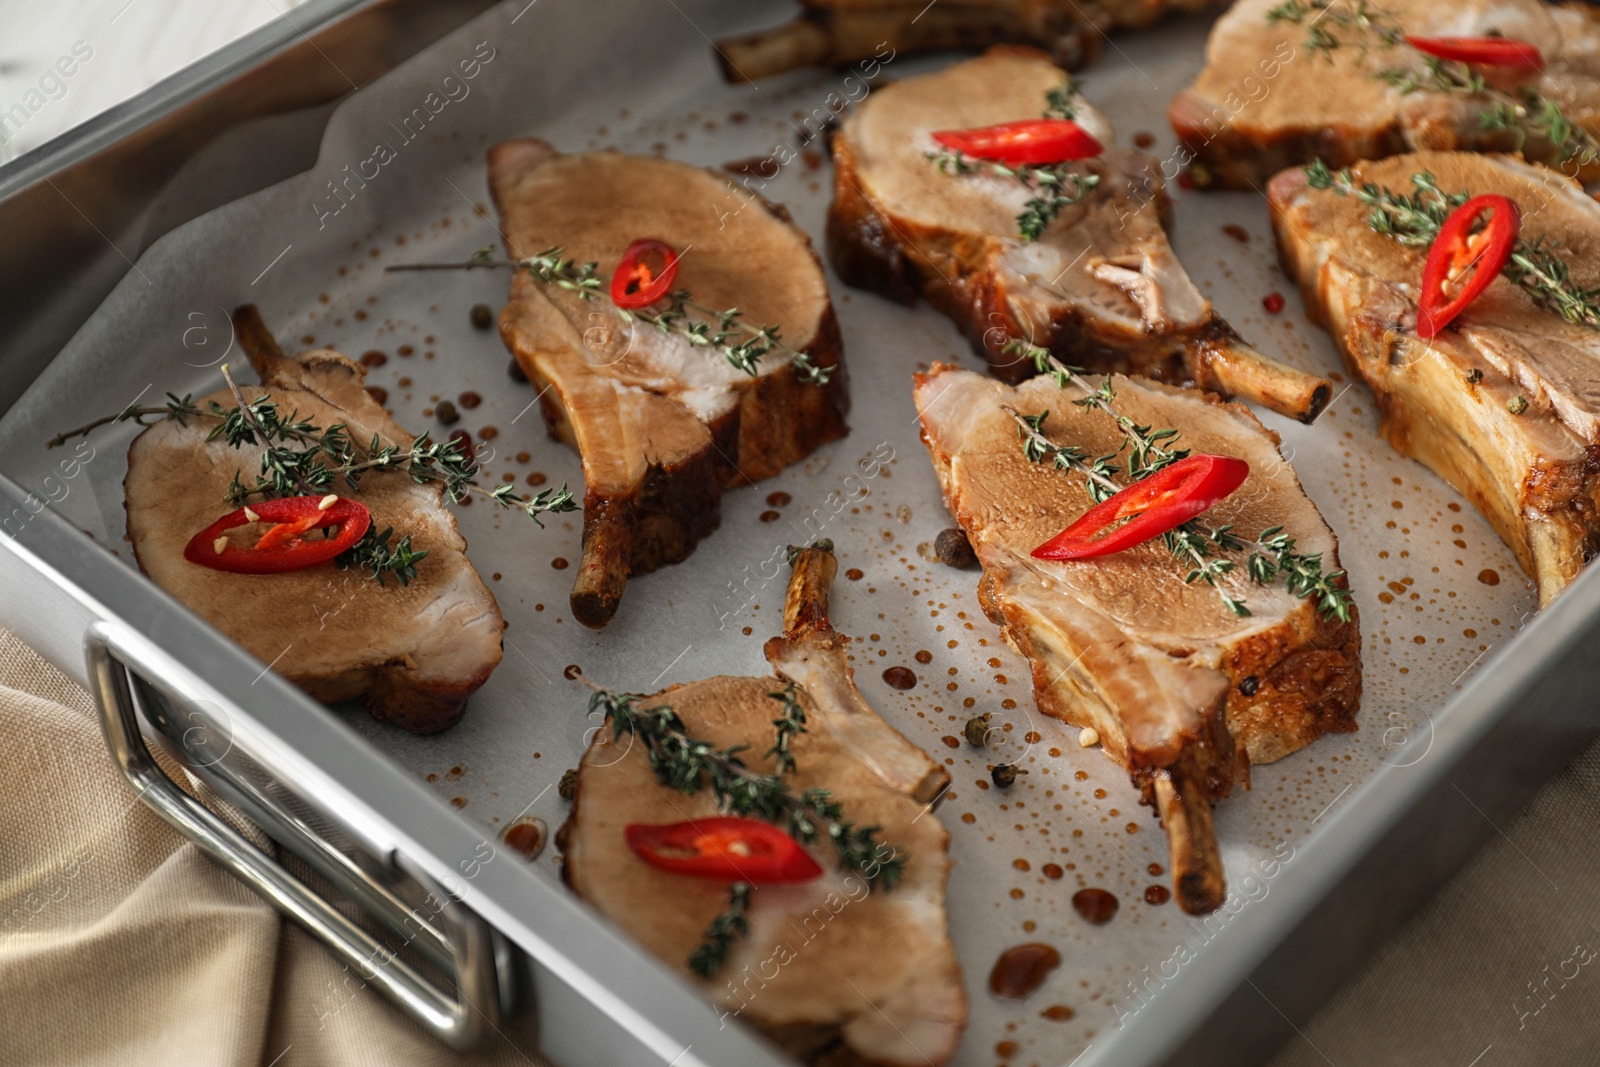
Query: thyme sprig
727, 928
688, 764
1521, 110
301, 458
1415, 221
725, 331
1055, 187
790, 723
1272, 553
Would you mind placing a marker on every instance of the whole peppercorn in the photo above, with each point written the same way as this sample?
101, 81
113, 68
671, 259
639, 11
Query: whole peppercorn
1003, 774
953, 548
977, 730
1517, 405
482, 316
446, 413
569, 783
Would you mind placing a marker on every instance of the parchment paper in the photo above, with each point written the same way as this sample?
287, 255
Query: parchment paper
401, 179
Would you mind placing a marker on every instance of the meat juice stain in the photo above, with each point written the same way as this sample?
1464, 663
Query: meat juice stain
1052, 871
1237, 232
1022, 969
526, 836
374, 358
1006, 1049
854, 574
458, 802
559, 564
1058, 1013
405, 350
899, 678
778, 499
1157, 894
469, 399
950, 742
1097, 906
770, 516
924, 656
1489, 576
571, 671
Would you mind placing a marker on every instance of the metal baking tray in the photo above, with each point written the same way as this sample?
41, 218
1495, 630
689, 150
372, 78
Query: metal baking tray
136, 234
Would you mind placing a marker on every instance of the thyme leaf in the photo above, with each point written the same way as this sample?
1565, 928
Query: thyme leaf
791, 722
725, 929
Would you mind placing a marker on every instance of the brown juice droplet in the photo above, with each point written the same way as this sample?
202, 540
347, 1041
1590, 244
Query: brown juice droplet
951, 742
381, 395
559, 564
1021, 970
572, 670
537, 478
1006, 1049
488, 433
778, 499
526, 836
1157, 894
1095, 905
432, 777
924, 656
1155, 870
1237, 232
405, 350
854, 574
469, 399
373, 358
458, 802
1052, 871
1489, 576
899, 677
769, 516
1059, 1013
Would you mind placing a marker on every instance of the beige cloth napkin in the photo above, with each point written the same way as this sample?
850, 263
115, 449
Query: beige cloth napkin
122, 945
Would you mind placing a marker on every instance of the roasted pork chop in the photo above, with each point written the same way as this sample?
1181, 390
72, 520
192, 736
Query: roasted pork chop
1504, 404
1267, 99
835, 32
663, 426
903, 1002
1179, 689
412, 653
1100, 287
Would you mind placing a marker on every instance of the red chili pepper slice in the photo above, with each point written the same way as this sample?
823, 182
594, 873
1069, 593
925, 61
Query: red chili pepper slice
645, 274
280, 548
1507, 52
726, 848
1032, 141
1165, 500
1461, 263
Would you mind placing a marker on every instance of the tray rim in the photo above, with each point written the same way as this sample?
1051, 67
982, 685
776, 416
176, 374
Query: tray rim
666, 1009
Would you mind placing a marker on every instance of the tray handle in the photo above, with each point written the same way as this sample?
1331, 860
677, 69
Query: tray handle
460, 1019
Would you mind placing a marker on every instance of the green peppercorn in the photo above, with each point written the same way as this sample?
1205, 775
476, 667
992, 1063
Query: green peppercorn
569, 783
1517, 405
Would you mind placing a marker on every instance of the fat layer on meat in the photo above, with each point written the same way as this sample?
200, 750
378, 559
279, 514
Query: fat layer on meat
904, 1003
663, 427
1452, 403
1265, 101
411, 653
1178, 688
1100, 287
